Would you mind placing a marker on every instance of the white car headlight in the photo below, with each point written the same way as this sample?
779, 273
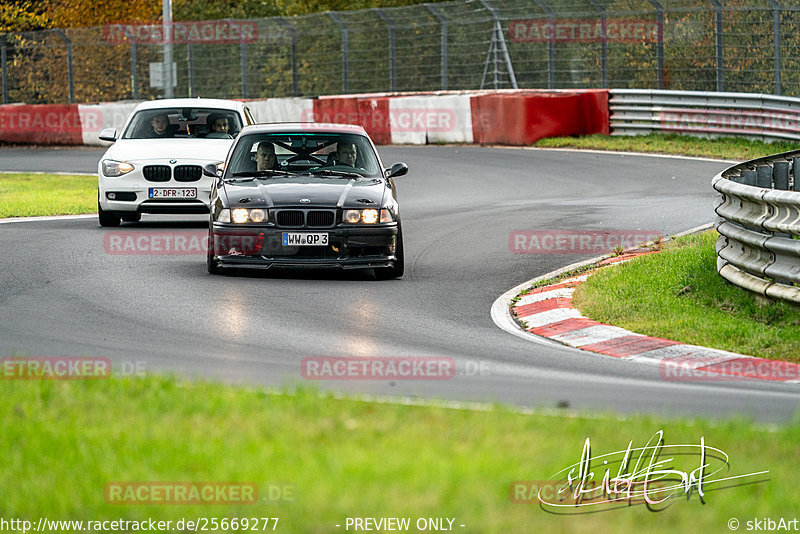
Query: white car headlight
116, 168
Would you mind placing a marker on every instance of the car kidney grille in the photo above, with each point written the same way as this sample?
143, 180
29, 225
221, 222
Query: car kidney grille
290, 218
188, 173
157, 173
319, 219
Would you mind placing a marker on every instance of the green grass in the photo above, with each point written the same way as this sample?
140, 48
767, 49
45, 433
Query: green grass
64, 441
730, 148
677, 294
28, 195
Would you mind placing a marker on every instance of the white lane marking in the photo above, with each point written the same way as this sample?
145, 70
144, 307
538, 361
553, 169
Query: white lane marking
551, 316
563, 292
48, 218
592, 334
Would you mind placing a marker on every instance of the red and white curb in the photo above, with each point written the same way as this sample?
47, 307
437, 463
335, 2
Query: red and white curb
548, 314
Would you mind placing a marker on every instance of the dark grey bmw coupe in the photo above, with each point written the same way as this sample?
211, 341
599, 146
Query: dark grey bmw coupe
305, 195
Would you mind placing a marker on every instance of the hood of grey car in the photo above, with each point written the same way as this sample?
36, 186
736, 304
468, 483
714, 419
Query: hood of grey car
306, 191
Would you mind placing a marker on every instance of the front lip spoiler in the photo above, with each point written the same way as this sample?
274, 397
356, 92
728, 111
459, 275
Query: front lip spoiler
260, 264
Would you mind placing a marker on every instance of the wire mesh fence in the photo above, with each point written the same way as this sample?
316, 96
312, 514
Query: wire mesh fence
703, 45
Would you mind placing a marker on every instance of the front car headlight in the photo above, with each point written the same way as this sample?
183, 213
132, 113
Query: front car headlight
114, 168
242, 215
367, 216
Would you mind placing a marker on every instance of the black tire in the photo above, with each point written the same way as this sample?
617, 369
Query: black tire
396, 271
133, 216
107, 219
211, 263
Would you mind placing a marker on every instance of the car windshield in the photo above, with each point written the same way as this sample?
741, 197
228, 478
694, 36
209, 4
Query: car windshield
191, 123
329, 155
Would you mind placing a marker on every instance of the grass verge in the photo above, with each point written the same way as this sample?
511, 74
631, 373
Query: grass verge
677, 294
723, 148
29, 195
64, 441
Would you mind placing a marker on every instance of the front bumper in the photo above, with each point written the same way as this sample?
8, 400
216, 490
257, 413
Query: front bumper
262, 248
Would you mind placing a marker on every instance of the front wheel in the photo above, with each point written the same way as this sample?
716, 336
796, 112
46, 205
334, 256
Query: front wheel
396, 271
107, 218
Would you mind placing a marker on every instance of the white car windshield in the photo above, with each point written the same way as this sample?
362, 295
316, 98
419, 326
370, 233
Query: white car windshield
191, 123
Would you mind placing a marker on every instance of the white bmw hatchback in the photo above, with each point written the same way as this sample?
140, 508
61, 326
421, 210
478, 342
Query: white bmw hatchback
156, 164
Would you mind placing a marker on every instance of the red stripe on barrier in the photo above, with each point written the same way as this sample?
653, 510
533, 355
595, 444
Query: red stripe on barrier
370, 113
545, 305
628, 345
543, 289
562, 327
47, 124
523, 119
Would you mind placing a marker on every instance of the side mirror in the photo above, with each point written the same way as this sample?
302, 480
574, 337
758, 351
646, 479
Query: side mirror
398, 169
108, 134
211, 169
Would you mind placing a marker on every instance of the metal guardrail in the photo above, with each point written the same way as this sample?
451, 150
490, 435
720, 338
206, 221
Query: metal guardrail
754, 116
759, 225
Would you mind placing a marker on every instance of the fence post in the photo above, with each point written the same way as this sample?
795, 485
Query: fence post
443, 23
551, 46
4, 61
776, 46
134, 73
660, 41
499, 42
392, 68
718, 41
190, 67
345, 51
603, 42
70, 78
293, 32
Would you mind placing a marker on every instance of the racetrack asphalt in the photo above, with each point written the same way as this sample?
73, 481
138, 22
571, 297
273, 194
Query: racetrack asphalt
62, 294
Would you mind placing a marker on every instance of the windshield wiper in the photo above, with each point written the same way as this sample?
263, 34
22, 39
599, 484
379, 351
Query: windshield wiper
331, 172
262, 174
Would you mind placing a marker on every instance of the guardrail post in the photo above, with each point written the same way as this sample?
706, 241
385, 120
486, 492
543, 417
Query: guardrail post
70, 75
780, 175
660, 41
764, 176
603, 42
392, 69
718, 45
345, 51
749, 177
293, 32
4, 62
443, 23
796, 174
